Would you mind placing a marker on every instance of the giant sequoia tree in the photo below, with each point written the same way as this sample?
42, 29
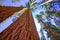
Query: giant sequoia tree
51, 20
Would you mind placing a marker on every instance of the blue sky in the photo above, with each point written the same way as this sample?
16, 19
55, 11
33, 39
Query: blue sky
17, 4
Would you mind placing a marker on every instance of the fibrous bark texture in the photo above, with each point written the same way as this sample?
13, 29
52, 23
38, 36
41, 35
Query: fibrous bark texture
6, 12
22, 29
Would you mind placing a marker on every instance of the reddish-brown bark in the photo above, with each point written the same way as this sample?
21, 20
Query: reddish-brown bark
22, 29
5, 12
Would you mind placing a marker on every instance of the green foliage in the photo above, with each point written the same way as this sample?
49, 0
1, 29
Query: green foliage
30, 1
16, 0
49, 7
1, 5
57, 14
38, 18
42, 12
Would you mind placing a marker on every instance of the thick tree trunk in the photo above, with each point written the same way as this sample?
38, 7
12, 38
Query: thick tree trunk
22, 29
6, 12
